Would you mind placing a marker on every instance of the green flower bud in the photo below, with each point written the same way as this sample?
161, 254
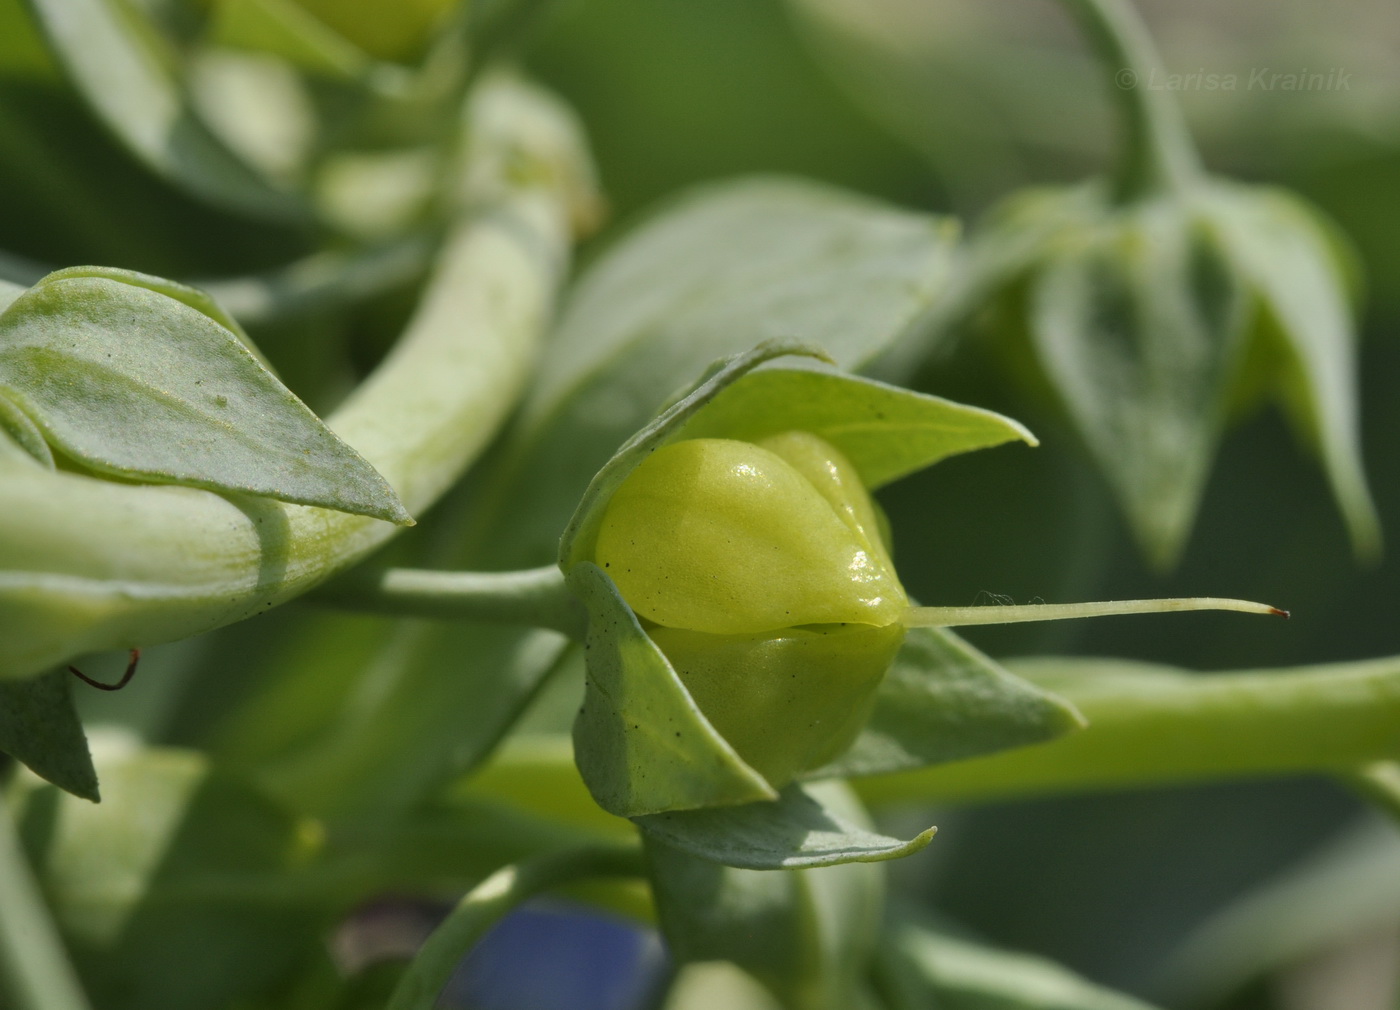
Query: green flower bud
760, 572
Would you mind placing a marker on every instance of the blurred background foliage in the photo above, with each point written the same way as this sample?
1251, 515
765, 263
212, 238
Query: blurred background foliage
944, 107
948, 106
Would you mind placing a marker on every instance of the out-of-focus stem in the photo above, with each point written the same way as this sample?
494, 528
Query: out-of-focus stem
35, 973
1155, 726
1156, 153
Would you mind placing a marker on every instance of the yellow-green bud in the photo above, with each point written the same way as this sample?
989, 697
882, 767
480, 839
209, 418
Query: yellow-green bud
760, 572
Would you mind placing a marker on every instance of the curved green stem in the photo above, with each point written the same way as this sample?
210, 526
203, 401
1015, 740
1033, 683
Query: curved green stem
34, 969
490, 900
536, 597
1156, 726
89, 564
1157, 152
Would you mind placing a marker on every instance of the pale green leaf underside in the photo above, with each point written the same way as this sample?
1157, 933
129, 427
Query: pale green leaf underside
116, 60
40, 728
943, 700
641, 744
795, 831
132, 383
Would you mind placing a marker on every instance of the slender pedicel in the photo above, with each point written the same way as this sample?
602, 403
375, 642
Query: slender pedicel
952, 617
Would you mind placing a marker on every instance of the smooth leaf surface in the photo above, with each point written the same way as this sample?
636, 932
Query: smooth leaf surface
1137, 322
943, 700
40, 728
131, 382
641, 743
806, 934
887, 432
179, 890
115, 59
798, 830
1290, 261
938, 970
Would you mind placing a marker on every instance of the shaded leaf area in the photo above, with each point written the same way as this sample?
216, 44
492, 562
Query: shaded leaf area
922, 968
1153, 322
797, 830
180, 890
138, 378
806, 934
1344, 890
40, 728
809, 264
943, 700
127, 74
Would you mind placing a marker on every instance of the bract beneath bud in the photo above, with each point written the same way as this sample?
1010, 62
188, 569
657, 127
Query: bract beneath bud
732, 538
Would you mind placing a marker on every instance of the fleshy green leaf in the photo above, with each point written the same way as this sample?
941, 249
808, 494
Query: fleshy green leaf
641, 743
39, 727
797, 831
182, 890
131, 382
1289, 259
943, 700
1137, 322
934, 969
116, 59
806, 934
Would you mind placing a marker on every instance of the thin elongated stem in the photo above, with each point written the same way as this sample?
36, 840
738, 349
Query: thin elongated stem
958, 617
34, 969
490, 900
1157, 153
536, 596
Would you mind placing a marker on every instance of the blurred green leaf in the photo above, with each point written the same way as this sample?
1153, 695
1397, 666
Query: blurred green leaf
1290, 259
180, 890
286, 29
795, 831
128, 74
40, 728
641, 743
1136, 320
929, 969
1349, 886
943, 700
807, 935
130, 381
